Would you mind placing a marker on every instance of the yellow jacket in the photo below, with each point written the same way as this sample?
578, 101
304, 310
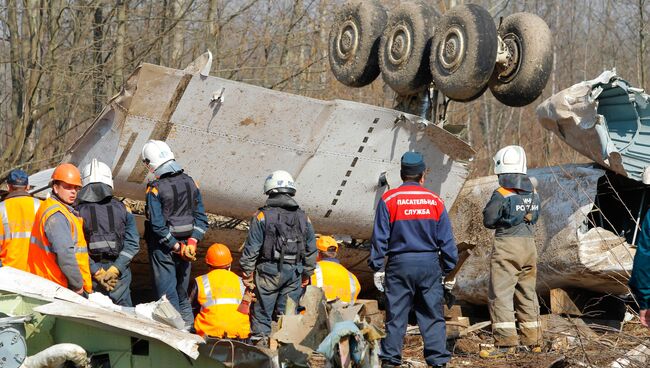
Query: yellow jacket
17, 213
220, 292
336, 281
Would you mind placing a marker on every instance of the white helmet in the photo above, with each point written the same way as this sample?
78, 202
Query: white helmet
279, 181
96, 172
510, 160
156, 153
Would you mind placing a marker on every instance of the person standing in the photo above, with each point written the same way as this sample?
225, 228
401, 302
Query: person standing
17, 212
111, 233
412, 229
216, 296
176, 222
640, 278
279, 253
513, 211
57, 248
335, 280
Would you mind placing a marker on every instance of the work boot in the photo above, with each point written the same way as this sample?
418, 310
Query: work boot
533, 349
497, 351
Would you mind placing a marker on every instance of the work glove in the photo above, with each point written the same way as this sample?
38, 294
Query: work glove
380, 280
305, 281
248, 281
111, 277
99, 277
185, 251
448, 286
191, 247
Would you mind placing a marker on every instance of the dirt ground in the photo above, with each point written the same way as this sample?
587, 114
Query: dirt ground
568, 348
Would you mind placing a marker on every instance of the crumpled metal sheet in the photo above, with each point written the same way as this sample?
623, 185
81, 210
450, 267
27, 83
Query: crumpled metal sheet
606, 120
65, 303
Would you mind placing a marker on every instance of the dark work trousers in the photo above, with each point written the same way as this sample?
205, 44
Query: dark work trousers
171, 277
413, 280
121, 295
272, 288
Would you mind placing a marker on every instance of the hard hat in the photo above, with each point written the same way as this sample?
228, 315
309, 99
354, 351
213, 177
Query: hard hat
18, 177
156, 153
323, 243
67, 173
510, 160
218, 255
97, 172
279, 181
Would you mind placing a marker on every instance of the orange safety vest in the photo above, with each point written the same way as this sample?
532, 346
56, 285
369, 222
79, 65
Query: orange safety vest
41, 260
336, 281
220, 292
17, 216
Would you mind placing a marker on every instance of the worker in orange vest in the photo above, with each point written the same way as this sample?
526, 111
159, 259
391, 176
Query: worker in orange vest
58, 250
215, 297
17, 212
335, 280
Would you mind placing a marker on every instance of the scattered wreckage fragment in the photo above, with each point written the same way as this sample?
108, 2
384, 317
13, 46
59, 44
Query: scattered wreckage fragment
606, 120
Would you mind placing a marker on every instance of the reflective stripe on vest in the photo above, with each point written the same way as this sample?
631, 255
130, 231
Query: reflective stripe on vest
353, 288
17, 219
210, 300
319, 276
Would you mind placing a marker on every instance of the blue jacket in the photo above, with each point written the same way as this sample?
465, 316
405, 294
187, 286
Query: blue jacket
507, 210
412, 219
640, 279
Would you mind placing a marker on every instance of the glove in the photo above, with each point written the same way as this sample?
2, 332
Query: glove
305, 281
99, 277
248, 281
379, 278
111, 277
450, 298
644, 316
191, 247
185, 251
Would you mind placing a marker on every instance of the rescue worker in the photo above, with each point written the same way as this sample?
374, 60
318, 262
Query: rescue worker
412, 229
279, 254
176, 222
335, 280
110, 231
216, 296
17, 212
513, 211
640, 279
57, 249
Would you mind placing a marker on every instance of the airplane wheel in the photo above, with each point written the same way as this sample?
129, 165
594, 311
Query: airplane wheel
463, 52
523, 78
354, 42
405, 47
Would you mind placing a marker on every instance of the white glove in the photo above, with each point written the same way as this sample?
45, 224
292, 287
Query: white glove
449, 285
379, 277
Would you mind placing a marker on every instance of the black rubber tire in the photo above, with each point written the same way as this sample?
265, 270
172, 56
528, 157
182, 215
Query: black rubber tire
354, 42
524, 79
463, 52
405, 47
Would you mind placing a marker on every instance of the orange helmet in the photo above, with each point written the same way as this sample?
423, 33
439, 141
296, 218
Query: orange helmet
218, 255
323, 243
67, 173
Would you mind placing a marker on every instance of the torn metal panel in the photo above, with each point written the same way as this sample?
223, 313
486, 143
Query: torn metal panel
571, 251
606, 120
245, 356
336, 150
307, 329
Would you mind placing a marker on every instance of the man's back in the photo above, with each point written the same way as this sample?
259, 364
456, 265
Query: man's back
336, 281
17, 214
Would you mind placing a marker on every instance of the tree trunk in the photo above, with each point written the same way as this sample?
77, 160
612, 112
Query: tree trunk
118, 60
98, 58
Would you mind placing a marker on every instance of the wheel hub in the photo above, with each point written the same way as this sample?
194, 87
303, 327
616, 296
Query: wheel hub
347, 41
452, 51
509, 68
399, 45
